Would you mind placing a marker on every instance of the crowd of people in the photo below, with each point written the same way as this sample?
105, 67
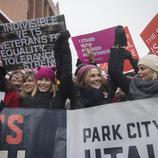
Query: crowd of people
56, 88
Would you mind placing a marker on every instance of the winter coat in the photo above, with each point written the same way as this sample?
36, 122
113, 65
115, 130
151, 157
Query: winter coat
11, 98
89, 97
140, 89
43, 100
115, 69
40, 100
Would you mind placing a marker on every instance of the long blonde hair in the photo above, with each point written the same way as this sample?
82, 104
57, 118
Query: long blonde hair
83, 80
25, 77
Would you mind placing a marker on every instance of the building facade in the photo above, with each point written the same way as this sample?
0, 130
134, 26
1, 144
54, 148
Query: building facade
18, 10
4, 18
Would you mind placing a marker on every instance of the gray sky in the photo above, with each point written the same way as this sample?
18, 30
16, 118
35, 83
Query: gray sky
86, 16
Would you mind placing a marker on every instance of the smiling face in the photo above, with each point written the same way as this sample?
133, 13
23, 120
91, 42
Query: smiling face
93, 79
145, 73
29, 84
16, 80
44, 85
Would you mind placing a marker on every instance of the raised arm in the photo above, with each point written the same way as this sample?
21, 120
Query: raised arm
63, 63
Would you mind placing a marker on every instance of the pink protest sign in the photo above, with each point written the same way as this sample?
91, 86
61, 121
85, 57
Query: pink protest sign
100, 41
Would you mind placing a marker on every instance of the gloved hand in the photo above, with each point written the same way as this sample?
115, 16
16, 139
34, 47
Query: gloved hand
61, 40
120, 36
2, 105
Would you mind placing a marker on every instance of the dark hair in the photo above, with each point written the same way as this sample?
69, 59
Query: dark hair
10, 85
120, 36
15, 72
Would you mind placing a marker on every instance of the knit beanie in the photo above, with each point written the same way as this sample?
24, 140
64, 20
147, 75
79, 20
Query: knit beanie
150, 61
79, 67
84, 70
45, 72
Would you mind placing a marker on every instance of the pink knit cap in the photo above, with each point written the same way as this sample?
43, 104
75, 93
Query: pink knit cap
45, 72
84, 70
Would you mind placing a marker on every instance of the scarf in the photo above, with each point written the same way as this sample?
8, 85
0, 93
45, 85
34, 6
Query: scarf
140, 89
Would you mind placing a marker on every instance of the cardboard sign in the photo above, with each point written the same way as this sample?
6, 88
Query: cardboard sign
29, 44
150, 35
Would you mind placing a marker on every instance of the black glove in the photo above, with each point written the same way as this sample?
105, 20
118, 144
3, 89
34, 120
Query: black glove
2, 105
65, 34
120, 36
61, 40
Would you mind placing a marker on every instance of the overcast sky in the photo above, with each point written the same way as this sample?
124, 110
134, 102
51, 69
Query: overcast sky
86, 16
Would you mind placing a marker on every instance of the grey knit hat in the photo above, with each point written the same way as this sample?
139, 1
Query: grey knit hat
150, 61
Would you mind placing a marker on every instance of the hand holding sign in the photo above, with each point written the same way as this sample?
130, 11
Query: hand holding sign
90, 53
61, 40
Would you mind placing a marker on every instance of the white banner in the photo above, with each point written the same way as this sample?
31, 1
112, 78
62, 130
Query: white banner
119, 130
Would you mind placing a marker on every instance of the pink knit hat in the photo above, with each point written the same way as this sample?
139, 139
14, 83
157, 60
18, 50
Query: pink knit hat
45, 72
84, 70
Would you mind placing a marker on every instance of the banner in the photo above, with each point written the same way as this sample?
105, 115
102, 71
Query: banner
100, 41
119, 130
150, 35
29, 44
32, 133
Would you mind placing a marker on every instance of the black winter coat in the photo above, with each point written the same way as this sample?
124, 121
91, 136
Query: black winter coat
43, 100
115, 68
89, 97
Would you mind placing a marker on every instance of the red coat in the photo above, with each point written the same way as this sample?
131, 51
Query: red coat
11, 99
